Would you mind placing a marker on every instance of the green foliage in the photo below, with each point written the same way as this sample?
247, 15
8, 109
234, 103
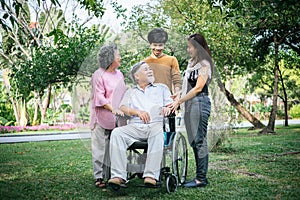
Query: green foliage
279, 114
84, 114
52, 116
5, 122
269, 20
30, 114
261, 80
55, 65
66, 108
6, 110
295, 111
49, 55
95, 7
13, 9
260, 107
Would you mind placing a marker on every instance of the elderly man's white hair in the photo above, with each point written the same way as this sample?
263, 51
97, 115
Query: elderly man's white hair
134, 69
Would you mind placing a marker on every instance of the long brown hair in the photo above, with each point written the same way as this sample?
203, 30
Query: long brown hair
199, 42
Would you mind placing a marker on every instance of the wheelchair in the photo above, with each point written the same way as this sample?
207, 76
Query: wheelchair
175, 157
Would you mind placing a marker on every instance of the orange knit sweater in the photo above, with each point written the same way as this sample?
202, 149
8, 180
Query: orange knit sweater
166, 70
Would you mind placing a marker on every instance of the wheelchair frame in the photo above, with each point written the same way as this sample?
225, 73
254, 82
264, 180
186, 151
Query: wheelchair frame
175, 149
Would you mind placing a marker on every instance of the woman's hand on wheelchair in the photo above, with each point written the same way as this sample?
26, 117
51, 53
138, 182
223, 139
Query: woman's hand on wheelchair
165, 111
173, 106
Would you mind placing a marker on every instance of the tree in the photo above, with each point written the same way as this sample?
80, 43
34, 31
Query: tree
229, 48
262, 81
25, 45
15, 46
55, 66
275, 25
12, 9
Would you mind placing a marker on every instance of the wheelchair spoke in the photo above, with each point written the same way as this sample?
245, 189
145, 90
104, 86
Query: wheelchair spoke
179, 157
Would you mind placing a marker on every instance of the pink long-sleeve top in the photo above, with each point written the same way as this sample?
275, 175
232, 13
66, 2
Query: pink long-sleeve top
107, 87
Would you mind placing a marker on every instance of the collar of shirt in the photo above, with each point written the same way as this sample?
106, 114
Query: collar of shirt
150, 85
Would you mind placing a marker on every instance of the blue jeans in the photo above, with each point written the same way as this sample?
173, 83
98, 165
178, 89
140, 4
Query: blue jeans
197, 112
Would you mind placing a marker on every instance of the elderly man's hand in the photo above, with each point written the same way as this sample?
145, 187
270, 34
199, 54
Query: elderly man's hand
144, 116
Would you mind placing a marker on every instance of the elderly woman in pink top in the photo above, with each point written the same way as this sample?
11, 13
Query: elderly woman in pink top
108, 87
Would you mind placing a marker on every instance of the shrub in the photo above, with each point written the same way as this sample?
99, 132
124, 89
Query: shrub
280, 114
295, 111
10, 129
45, 127
6, 111
84, 114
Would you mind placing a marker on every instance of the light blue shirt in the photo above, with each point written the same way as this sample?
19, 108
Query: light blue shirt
151, 100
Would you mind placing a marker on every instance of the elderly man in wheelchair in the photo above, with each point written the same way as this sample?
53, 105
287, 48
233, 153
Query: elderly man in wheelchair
145, 105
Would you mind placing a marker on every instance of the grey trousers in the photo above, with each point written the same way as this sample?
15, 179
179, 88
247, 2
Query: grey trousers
100, 152
123, 137
196, 117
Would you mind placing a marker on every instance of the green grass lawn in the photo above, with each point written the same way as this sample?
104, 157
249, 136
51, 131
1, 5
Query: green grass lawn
247, 166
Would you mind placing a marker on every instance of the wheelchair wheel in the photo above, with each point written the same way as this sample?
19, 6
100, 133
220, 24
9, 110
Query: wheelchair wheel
179, 157
171, 183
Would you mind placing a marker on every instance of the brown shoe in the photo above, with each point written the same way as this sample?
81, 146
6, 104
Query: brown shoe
116, 181
150, 181
100, 183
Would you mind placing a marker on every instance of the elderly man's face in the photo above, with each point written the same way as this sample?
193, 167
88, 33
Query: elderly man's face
157, 48
145, 74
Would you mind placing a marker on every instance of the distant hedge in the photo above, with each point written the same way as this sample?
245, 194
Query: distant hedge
295, 111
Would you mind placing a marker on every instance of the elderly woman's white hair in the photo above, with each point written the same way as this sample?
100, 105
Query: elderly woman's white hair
106, 55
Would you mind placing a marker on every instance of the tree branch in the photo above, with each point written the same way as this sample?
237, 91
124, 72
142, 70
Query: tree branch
19, 44
6, 58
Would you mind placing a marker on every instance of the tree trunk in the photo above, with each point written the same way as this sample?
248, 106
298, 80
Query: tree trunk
10, 97
48, 97
247, 115
286, 116
284, 99
40, 104
271, 124
43, 105
35, 117
16, 112
23, 113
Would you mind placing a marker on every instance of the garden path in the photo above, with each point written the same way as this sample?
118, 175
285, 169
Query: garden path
15, 138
